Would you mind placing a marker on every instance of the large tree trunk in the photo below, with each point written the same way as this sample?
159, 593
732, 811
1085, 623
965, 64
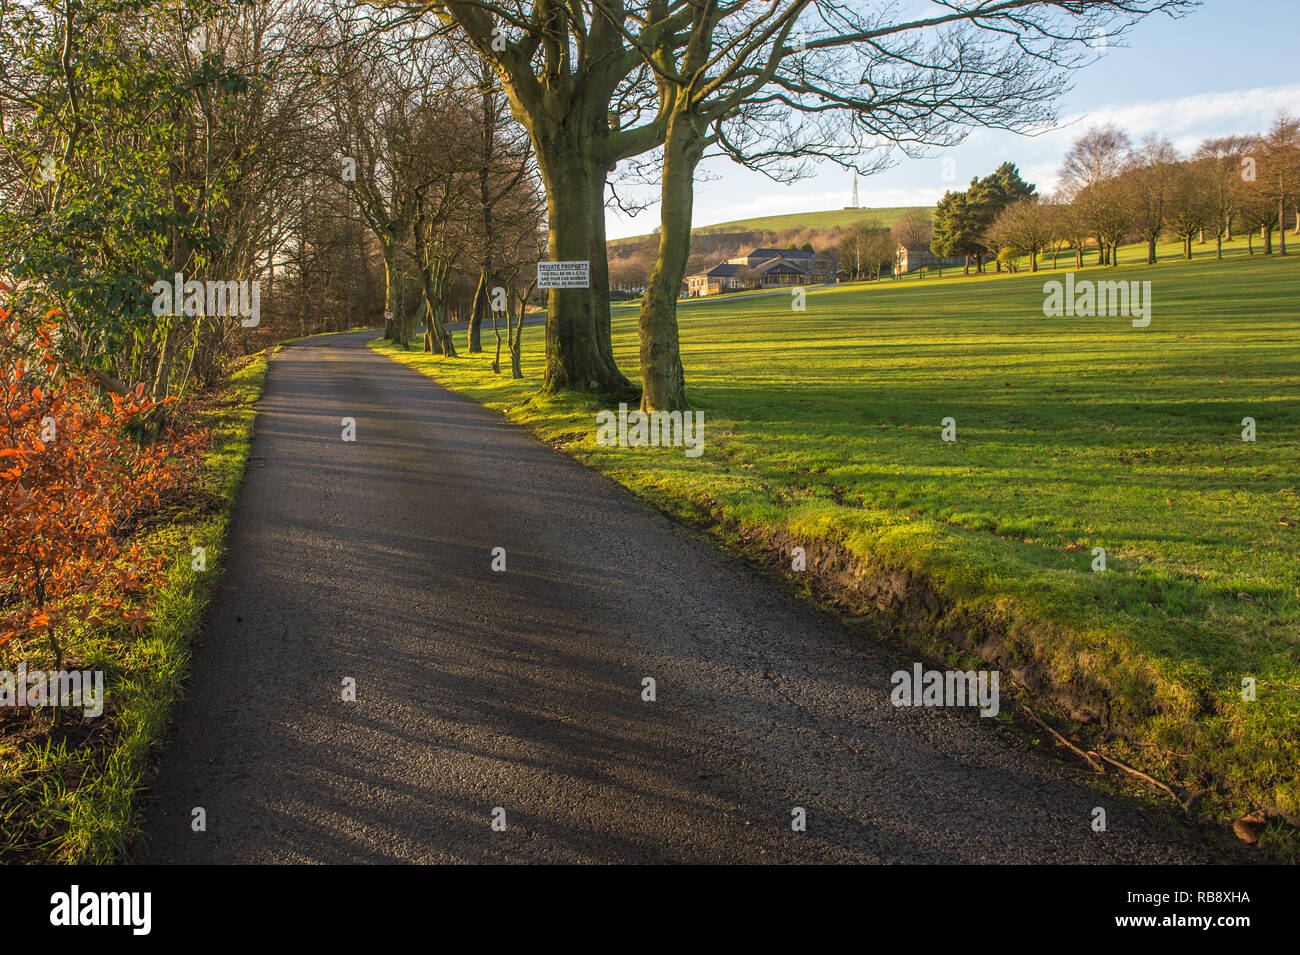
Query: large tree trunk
436, 337
479, 308
474, 335
401, 321
579, 346
390, 324
437, 340
662, 377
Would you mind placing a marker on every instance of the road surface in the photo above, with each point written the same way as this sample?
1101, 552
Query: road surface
520, 692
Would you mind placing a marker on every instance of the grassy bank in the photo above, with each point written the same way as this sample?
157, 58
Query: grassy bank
71, 795
824, 427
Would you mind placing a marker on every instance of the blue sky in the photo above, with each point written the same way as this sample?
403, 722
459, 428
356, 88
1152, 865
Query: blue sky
1226, 67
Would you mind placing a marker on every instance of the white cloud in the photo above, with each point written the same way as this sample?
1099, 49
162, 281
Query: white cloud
1202, 114
1186, 121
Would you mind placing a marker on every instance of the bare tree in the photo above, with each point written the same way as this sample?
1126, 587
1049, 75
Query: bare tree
868, 246
443, 190
855, 78
1025, 227
1096, 157
1098, 154
1191, 203
915, 229
566, 71
1148, 175
1058, 226
377, 96
1222, 160
1105, 207
1279, 172
506, 173
1074, 225
602, 81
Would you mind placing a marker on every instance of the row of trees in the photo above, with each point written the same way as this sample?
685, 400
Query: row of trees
339, 168
347, 167
768, 85
1113, 192
350, 160
870, 248
143, 141
441, 176
210, 138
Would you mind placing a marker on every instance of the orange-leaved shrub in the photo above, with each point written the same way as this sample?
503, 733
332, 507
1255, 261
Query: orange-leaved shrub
73, 479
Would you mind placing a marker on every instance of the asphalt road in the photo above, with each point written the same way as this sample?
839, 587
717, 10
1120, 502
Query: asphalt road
523, 689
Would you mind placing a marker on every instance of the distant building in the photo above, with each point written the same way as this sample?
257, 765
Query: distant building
766, 268
721, 278
909, 260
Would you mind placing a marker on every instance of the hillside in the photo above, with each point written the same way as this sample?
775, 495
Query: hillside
829, 219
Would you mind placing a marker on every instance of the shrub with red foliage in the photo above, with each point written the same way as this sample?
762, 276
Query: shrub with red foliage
72, 478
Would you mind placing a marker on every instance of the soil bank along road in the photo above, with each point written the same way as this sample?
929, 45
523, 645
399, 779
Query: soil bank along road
517, 695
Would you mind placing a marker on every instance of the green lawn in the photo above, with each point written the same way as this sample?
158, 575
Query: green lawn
1073, 433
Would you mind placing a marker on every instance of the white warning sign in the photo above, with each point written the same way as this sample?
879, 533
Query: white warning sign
564, 274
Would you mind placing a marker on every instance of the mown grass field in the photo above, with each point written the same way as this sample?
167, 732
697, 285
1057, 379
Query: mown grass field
1073, 433
79, 803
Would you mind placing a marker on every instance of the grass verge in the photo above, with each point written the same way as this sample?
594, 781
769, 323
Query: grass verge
70, 796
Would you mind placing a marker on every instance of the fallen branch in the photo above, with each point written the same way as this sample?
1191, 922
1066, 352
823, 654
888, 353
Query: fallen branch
1141, 775
1065, 742
1093, 762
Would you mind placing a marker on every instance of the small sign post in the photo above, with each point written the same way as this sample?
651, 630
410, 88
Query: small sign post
564, 274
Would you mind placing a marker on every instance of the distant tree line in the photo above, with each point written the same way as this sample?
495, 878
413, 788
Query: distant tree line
1113, 192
